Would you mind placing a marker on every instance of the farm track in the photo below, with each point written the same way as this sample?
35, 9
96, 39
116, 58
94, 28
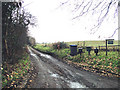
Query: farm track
53, 73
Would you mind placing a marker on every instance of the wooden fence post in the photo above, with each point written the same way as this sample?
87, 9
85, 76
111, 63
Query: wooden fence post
106, 47
99, 47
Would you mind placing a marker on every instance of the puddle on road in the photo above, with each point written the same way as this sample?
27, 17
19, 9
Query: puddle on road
52, 74
44, 55
55, 75
70, 83
75, 85
32, 54
79, 74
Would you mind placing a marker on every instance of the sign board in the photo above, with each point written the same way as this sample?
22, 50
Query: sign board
110, 42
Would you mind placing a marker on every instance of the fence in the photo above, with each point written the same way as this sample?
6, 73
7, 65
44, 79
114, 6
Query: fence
110, 48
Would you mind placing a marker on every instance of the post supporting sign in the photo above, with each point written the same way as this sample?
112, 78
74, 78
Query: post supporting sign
108, 41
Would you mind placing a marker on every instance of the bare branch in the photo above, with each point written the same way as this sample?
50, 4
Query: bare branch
114, 33
87, 6
101, 8
97, 6
63, 3
78, 6
107, 11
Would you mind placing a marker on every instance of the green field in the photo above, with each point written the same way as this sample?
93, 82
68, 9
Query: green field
91, 43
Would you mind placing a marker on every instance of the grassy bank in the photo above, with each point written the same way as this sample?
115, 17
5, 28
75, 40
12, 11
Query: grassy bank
12, 75
60, 53
101, 62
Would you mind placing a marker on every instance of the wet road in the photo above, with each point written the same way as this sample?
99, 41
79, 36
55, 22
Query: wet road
53, 73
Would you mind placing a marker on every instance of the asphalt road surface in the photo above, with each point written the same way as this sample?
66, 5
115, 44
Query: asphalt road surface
53, 73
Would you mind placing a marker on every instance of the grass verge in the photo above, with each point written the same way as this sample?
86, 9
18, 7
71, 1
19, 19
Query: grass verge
12, 75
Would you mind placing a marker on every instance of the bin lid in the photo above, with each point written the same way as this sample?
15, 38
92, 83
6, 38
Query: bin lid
88, 47
73, 45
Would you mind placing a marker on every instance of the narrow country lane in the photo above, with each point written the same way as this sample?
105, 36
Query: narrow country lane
53, 73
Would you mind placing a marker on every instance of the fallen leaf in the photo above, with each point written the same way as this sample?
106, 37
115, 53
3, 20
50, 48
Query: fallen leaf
30, 80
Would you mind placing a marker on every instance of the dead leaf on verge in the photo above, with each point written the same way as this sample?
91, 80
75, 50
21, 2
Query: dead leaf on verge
30, 80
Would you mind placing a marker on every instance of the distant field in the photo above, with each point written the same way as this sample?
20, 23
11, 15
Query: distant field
91, 43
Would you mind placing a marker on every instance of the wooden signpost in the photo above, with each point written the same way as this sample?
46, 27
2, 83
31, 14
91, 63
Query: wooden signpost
108, 41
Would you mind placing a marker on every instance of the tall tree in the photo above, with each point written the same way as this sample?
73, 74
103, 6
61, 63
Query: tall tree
14, 30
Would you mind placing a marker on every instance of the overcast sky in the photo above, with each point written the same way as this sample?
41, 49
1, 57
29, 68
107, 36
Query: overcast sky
56, 24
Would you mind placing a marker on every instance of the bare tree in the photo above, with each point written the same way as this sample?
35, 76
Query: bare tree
14, 30
100, 8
